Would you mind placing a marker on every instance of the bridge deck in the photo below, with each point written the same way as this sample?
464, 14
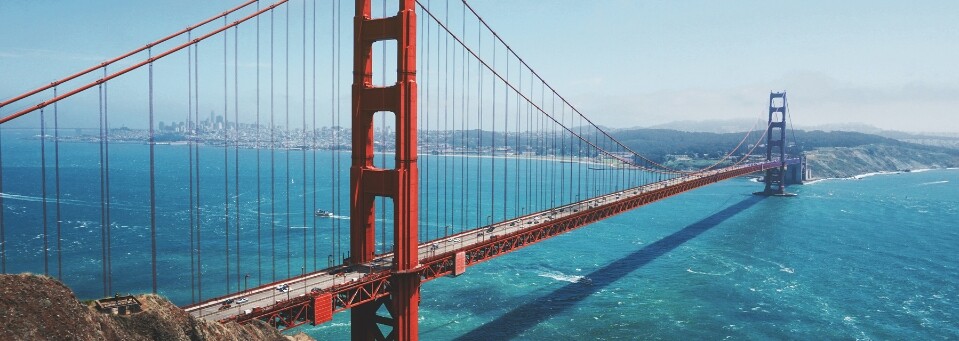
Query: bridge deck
359, 284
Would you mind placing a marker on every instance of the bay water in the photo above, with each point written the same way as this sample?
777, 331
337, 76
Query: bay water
873, 258
868, 259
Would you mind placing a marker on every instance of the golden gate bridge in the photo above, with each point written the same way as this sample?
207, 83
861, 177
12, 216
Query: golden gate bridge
481, 147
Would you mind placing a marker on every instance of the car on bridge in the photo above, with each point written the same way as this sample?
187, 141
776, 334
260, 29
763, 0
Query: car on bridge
283, 288
241, 300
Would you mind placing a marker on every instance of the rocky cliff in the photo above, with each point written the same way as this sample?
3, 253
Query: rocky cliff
843, 162
40, 308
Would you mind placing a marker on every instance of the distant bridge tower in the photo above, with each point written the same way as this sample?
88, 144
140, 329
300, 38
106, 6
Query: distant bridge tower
775, 178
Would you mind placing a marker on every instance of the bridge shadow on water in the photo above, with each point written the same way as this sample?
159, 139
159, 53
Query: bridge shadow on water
515, 322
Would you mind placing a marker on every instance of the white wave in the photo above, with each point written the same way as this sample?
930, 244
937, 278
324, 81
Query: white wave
866, 175
933, 182
559, 276
710, 273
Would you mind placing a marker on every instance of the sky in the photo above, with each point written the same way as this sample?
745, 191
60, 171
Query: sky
889, 64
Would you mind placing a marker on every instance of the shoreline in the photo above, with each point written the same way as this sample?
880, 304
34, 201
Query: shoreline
871, 174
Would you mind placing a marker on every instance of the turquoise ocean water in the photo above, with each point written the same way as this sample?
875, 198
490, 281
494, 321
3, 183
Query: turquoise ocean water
873, 258
846, 259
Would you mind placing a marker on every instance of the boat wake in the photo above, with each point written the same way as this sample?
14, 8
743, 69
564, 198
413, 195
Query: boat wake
49, 200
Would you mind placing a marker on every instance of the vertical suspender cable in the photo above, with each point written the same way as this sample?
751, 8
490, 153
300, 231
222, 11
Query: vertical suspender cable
537, 138
153, 205
286, 138
314, 132
56, 170
516, 141
585, 189
303, 183
333, 130
479, 127
601, 179
424, 112
226, 162
259, 200
196, 150
518, 149
272, 148
106, 157
506, 140
450, 116
492, 173
437, 139
236, 148
552, 153
428, 160
529, 138
43, 190
190, 132
464, 184
103, 210
442, 113
334, 153
338, 52
534, 163
562, 156
540, 140
579, 162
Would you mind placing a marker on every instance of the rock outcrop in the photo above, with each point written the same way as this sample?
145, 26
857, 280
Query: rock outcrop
844, 162
36, 307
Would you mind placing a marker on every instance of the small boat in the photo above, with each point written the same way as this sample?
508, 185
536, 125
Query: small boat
323, 213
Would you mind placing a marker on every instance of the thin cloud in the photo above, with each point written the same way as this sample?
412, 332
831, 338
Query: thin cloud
814, 99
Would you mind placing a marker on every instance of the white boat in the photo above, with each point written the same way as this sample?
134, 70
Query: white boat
323, 213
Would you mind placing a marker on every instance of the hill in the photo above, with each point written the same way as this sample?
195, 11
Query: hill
831, 153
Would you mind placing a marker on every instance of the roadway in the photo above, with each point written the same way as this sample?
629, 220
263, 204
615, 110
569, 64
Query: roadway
268, 295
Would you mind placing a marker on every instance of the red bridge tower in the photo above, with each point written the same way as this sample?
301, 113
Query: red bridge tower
400, 184
776, 178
